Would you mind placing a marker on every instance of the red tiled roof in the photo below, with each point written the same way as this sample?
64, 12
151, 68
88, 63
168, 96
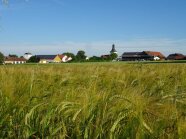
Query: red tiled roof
105, 56
176, 56
14, 59
158, 54
61, 56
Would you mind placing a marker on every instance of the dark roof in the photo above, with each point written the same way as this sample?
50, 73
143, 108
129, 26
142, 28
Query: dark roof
46, 56
14, 59
28, 53
134, 54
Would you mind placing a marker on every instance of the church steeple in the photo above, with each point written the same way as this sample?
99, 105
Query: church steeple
113, 49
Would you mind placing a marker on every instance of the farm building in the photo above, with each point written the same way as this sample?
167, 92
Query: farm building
46, 58
135, 56
156, 55
14, 60
62, 58
140, 56
176, 56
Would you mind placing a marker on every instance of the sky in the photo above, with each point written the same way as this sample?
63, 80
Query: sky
58, 26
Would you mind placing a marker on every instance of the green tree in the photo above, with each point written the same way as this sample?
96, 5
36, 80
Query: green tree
113, 56
95, 59
1, 58
81, 55
33, 59
12, 55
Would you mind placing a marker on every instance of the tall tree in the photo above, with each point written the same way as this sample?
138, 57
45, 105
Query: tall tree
1, 58
34, 59
81, 55
12, 55
113, 56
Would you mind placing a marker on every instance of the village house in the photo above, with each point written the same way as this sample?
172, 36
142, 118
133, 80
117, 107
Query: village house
141, 56
62, 58
176, 56
14, 60
44, 59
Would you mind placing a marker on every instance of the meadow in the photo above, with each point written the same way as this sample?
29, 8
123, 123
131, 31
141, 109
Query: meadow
93, 100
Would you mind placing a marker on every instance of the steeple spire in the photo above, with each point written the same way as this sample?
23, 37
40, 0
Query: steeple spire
113, 49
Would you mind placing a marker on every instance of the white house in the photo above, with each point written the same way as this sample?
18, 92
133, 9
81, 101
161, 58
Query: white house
14, 60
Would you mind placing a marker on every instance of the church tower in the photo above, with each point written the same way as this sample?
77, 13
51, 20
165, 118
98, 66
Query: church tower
113, 50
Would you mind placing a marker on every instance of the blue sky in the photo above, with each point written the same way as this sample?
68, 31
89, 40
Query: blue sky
57, 26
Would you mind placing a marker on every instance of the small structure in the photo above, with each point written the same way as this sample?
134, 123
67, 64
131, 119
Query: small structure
62, 58
27, 56
176, 56
14, 60
44, 59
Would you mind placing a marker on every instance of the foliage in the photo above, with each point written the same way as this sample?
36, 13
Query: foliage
96, 59
33, 59
80, 56
102, 100
1, 58
113, 56
12, 55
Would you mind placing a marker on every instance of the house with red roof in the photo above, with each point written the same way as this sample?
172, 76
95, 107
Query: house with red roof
62, 58
141, 56
156, 55
14, 60
176, 56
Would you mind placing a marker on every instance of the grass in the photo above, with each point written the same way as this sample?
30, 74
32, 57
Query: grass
99, 100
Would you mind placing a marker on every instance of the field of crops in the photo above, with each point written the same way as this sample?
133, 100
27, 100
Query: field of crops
105, 100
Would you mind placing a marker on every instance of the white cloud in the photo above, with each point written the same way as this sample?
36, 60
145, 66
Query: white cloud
165, 46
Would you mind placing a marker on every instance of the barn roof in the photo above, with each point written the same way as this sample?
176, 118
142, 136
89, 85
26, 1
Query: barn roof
14, 59
46, 56
152, 53
134, 54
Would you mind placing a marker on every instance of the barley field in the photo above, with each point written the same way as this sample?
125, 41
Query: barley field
93, 101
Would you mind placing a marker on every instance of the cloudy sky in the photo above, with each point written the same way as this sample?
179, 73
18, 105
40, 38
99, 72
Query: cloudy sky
57, 26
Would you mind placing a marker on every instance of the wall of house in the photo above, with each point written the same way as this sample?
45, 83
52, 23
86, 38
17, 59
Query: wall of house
15, 62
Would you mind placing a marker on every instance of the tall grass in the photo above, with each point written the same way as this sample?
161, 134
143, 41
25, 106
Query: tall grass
93, 101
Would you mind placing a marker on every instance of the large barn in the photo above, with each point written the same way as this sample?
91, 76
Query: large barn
141, 56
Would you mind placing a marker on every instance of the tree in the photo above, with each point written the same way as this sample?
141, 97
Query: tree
113, 56
34, 59
95, 59
80, 56
1, 58
12, 55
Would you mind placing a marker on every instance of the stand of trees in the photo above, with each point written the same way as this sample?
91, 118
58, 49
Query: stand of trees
1, 58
